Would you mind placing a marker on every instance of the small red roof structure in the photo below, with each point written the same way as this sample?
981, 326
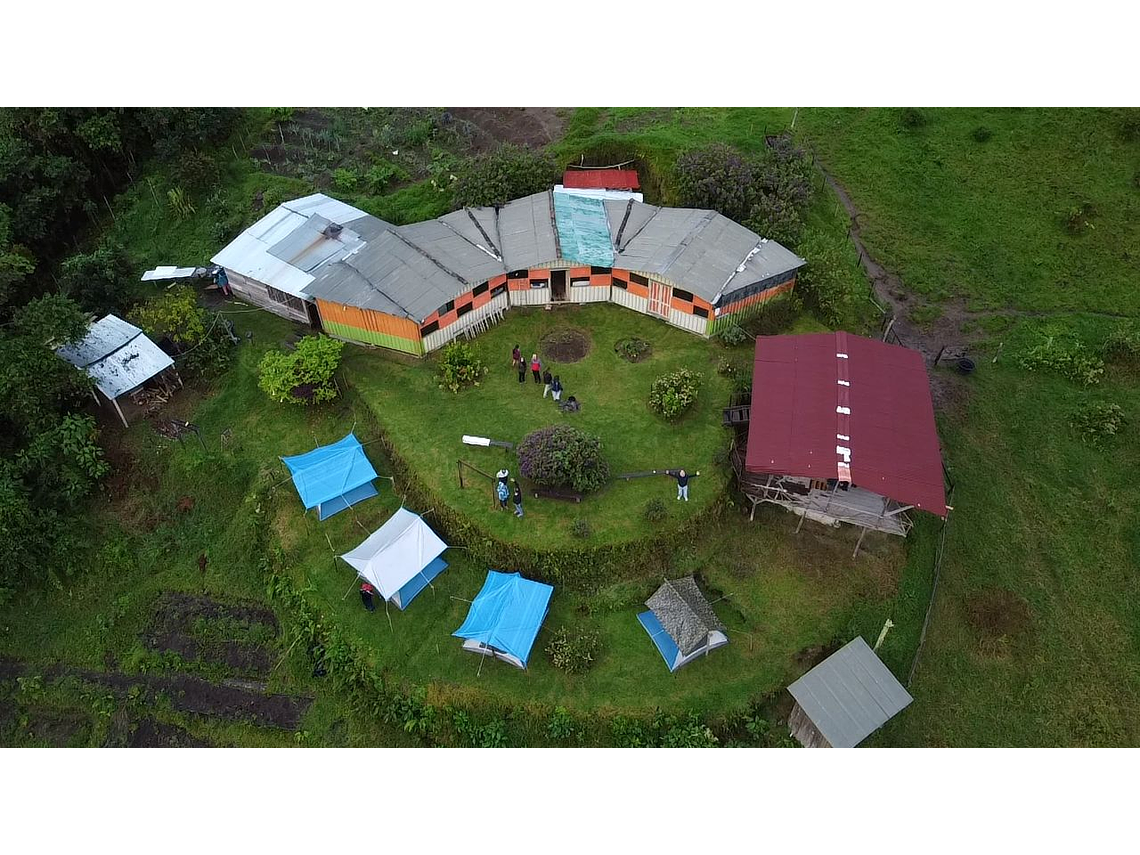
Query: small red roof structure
838, 405
600, 179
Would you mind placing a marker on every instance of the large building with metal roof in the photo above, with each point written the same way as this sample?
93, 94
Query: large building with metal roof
415, 287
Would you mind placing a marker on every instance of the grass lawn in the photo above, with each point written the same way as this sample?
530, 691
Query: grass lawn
426, 424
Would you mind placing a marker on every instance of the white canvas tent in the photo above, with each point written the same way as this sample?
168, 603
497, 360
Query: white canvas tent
400, 558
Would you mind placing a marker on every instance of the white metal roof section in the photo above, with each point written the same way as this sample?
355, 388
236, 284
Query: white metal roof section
117, 356
169, 271
850, 694
600, 194
250, 255
526, 227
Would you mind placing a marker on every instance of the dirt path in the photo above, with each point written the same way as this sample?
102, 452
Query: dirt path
530, 126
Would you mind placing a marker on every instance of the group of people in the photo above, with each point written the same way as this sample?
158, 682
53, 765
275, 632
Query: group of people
551, 383
503, 492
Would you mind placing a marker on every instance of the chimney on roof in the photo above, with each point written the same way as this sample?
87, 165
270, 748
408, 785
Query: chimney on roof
332, 230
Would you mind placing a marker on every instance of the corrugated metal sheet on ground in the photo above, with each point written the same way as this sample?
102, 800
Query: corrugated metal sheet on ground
583, 229
850, 694
168, 272
117, 356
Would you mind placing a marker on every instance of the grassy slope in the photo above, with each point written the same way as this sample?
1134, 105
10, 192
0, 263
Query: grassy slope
1036, 511
427, 423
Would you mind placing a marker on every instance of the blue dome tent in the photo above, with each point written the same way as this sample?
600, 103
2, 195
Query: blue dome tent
333, 477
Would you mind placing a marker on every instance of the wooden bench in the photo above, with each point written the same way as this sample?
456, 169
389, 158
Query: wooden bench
556, 493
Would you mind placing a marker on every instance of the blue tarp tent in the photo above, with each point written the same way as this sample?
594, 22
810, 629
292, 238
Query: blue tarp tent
333, 477
505, 618
400, 558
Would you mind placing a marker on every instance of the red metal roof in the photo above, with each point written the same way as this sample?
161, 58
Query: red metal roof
824, 401
601, 179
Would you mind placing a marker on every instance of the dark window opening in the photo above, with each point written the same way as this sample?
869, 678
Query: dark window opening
638, 280
599, 271
538, 283
277, 296
446, 307
620, 283
480, 289
430, 328
687, 296
699, 312
518, 274
463, 310
498, 289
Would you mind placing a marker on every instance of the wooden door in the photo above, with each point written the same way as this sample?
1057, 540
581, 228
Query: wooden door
658, 299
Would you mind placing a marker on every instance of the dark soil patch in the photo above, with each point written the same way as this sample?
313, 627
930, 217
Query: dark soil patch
58, 728
185, 504
174, 621
529, 126
998, 613
187, 694
633, 349
565, 345
811, 656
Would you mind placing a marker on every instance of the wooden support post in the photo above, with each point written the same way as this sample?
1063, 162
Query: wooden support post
119, 410
859, 542
459, 466
803, 516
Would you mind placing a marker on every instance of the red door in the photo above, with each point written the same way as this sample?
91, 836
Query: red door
658, 299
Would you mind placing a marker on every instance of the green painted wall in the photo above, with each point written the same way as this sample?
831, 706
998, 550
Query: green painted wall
392, 342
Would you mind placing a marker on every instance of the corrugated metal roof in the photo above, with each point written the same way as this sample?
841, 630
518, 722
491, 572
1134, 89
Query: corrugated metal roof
817, 393
601, 179
262, 251
850, 694
454, 251
117, 356
527, 232
479, 226
684, 613
701, 251
583, 229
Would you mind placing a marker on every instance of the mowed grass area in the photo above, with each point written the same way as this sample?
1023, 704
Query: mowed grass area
985, 221
426, 424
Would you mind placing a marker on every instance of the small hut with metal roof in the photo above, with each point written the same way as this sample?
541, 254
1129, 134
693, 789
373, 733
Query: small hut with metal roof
681, 622
845, 698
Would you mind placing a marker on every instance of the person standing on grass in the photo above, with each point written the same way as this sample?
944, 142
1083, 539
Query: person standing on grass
555, 389
503, 492
522, 369
516, 357
518, 500
536, 367
682, 483
547, 382
366, 597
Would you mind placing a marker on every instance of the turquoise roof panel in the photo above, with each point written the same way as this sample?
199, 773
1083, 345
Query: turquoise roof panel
583, 229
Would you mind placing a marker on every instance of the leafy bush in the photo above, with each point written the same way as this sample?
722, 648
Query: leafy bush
775, 315
673, 394
95, 279
1097, 423
180, 203
507, 172
564, 456
304, 376
581, 528
1129, 128
777, 218
731, 335
574, 650
912, 118
981, 134
195, 169
562, 727
459, 366
1123, 344
381, 174
719, 178
655, 510
174, 314
688, 732
633, 349
830, 283
1064, 356
346, 179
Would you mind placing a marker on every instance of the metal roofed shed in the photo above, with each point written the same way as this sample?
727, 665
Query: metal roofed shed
118, 357
601, 179
681, 623
845, 698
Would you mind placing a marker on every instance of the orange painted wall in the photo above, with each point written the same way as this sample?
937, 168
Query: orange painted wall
757, 298
367, 319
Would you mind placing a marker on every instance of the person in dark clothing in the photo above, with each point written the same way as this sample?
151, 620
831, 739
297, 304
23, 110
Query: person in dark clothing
522, 370
682, 483
547, 382
570, 405
502, 491
536, 367
518, 500
556, 389
366, 597
516, 357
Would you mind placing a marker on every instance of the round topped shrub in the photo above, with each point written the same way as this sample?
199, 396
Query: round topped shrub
672, 394
564, 456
